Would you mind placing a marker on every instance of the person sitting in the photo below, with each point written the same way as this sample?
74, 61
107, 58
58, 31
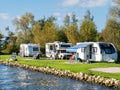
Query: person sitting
77, 57
37, 56
72, 57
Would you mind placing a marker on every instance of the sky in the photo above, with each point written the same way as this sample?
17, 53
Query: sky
11, 9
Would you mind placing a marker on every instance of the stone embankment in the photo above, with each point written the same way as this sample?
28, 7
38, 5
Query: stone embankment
78, 76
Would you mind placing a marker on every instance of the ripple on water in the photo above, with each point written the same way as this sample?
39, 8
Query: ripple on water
14, 78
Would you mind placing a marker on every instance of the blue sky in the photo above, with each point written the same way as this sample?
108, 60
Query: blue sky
10, 9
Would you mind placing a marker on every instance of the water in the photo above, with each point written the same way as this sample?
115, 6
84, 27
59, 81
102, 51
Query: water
15, 78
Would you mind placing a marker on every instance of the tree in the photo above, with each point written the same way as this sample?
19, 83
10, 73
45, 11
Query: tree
112, 29
49, 34
88, 30
1, 36
24, 24
74, 19
117, 2
67, 20
44, 31
37, 32
61, 36
20, 38
71, 29
12, 45
72, 34
51, 19
111, 33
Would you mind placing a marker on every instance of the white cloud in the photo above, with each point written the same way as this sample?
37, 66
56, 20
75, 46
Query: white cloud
56, 14
18, 17
70, 2
4, 16
93, 3
69, 14
85, 3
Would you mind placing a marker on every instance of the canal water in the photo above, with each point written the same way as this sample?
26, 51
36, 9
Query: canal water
15, 78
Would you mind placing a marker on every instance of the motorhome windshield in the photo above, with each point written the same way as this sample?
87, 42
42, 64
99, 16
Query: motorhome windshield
107, 48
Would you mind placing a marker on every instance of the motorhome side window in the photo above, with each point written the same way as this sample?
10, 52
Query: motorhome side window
82, 49
51, 47
94, 49
65, 46
107, 48
35, 49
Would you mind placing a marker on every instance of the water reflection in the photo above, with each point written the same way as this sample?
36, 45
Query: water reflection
14, 78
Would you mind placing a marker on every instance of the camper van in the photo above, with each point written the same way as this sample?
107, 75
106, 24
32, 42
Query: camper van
57, 50
29, 49
95, 51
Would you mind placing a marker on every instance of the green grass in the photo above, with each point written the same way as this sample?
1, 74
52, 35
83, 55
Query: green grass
62, 65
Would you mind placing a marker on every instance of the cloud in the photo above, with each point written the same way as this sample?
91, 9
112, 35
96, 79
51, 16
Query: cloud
85, 3
4, 16
70, 2
56, 14
18, 17
93, 3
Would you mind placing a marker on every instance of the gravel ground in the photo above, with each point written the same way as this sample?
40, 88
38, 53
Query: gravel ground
107, 70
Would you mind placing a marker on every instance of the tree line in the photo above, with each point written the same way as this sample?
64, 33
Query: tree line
46, 30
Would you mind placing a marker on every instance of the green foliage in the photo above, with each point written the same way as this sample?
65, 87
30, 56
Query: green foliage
24, 25
67, 20
111, 33
88, 30
10, 49
24, 22
20, 38
71, 29
49, 32
74, 19
11, 46
36, 31
72, 34
115, 10
1, 35
61, 36
44, 33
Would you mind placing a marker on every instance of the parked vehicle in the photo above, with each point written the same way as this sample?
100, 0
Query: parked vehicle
95, 51
4, 40
57, 50
29, 49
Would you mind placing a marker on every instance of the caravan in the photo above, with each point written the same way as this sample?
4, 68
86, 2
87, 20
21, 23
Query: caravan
29, 49
57, 50
95, 51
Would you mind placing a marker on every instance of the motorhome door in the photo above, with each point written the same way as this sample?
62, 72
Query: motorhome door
90, 52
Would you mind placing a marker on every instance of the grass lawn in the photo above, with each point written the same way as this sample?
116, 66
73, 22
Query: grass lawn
62, 65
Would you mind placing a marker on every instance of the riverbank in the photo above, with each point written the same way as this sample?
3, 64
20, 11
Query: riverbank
66, 73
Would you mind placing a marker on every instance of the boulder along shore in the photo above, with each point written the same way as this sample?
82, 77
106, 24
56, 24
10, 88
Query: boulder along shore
66, 73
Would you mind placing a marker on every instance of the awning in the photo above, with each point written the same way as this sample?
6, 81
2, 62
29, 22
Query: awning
74, 48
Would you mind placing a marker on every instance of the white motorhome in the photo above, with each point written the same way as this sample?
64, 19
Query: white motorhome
29, 49
57, 50
95, 51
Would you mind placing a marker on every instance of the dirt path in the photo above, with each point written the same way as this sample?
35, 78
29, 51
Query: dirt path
107, 70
